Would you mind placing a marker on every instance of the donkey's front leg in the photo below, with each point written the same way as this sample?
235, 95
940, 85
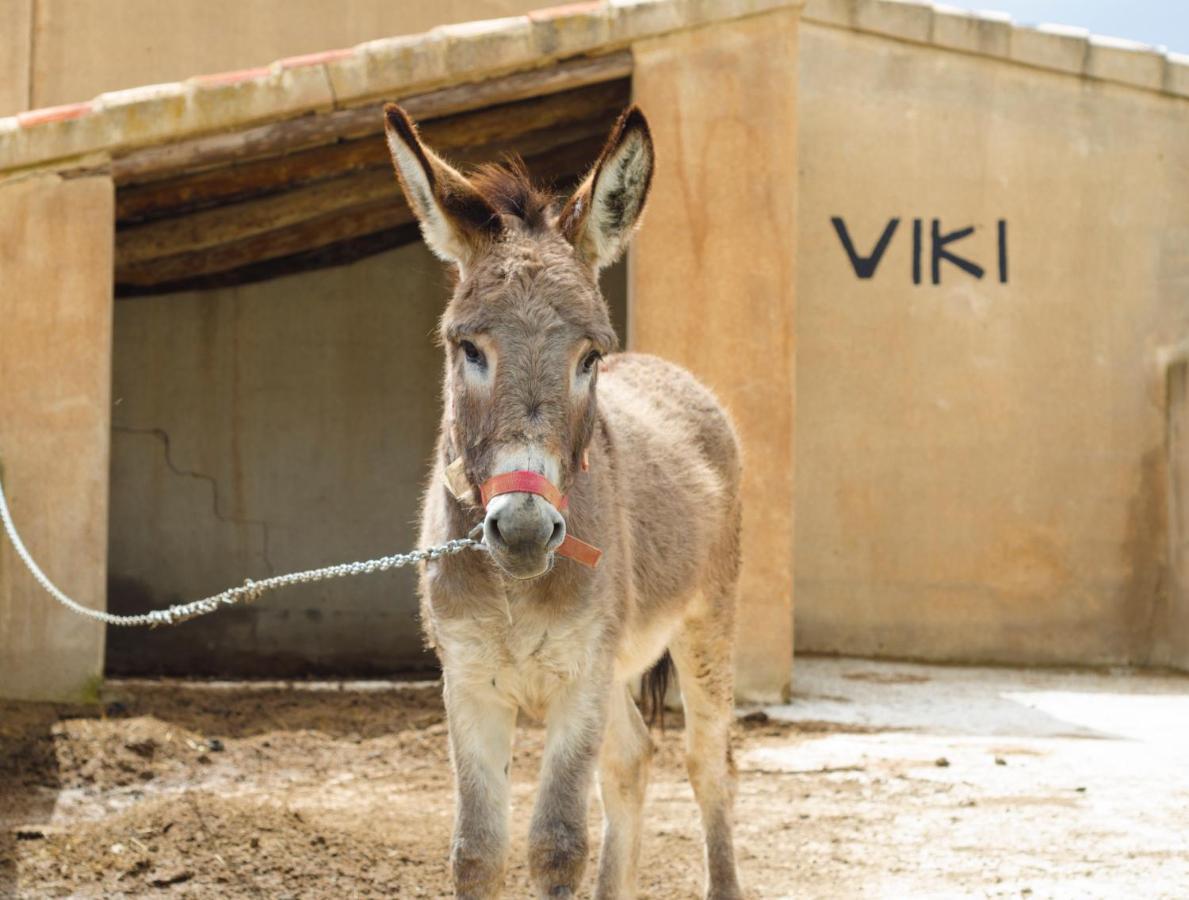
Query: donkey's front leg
557, 837
481, 726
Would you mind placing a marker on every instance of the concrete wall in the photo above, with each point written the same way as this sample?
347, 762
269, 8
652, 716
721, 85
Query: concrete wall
55, 364
16, 29
1173, 638
59, 51
712, 280
981, 463
271, 428
265, 429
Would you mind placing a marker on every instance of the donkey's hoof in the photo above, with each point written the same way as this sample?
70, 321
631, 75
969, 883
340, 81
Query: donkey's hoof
725, 894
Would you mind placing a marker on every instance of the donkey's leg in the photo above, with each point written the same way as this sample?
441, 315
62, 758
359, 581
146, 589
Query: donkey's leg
481, 729
623, 778
557, 839
702, 654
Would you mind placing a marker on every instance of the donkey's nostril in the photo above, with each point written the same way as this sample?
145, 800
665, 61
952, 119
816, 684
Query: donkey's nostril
525, 528
559, 534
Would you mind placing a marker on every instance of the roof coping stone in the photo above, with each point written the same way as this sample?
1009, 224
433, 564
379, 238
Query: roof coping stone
1057, 48
342, 78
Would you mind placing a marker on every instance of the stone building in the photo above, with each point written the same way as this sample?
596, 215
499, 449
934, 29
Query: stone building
215, 359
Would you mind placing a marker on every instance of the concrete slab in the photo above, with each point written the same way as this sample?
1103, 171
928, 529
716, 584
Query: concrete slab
989, 782
1119, 704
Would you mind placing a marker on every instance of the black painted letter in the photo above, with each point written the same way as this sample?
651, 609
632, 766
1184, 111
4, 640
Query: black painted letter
864, 266
916, 251
940, 253
1003, 251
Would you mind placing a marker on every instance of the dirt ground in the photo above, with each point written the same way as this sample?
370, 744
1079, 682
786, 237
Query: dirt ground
879, 780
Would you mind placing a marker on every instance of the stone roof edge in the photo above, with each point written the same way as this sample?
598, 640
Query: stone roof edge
1058, 48
390, 67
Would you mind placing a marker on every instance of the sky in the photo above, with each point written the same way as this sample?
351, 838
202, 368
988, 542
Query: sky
1150, 21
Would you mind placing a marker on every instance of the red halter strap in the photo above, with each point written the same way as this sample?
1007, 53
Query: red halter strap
522, 481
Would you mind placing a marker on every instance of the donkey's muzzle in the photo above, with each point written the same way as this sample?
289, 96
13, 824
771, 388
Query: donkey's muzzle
522, 530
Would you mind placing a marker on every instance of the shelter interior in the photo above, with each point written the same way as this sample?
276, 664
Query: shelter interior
275, 371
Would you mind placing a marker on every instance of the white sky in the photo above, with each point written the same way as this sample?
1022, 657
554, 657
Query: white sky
1163, 22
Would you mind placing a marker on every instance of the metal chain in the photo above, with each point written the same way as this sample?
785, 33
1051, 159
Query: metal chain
247, 592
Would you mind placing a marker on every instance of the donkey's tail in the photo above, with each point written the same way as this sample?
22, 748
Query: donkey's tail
654, 684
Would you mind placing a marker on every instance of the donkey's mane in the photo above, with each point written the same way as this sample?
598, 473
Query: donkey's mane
510, 190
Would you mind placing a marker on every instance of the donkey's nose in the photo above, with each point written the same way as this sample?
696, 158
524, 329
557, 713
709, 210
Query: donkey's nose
524, 525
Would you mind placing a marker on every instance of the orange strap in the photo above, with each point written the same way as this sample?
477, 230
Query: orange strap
533, 483
580, 551
522, 482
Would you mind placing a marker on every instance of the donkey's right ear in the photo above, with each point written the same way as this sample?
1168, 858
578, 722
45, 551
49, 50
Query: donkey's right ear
603, 212
455, 219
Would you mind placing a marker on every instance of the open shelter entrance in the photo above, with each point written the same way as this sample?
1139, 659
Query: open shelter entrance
276, 377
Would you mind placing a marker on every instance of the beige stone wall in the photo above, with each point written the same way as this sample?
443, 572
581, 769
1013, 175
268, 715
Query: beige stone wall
266, 429
981, 466
712, 280
16, 28
55, 364
1173, 638
271, 428
75, 51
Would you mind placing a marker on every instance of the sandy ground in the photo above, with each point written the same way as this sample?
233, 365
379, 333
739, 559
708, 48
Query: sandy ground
879, 780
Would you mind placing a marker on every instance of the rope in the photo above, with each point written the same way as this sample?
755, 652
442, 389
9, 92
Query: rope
247, 592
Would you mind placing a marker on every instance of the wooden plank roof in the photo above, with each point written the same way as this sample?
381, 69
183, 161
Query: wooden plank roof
320, 190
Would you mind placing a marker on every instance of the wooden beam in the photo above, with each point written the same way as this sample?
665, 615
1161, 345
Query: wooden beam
507, 124
339, 253
271, 253
534, 129
231, 184
309, 233
239, 221
276, 138
228, 224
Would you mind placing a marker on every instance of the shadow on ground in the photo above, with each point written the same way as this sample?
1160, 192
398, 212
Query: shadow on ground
29, 777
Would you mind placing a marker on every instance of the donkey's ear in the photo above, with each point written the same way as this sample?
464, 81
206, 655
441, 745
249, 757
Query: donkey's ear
598, 220
455, 219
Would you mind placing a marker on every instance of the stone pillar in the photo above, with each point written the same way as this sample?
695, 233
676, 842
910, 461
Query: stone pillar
55, 385
712, 280
1172, 640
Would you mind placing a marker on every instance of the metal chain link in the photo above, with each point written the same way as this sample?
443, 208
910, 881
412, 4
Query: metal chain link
247, 592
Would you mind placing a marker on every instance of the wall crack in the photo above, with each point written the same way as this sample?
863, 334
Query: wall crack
163, 437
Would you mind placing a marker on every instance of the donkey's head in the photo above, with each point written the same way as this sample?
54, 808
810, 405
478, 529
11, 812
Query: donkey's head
527, 325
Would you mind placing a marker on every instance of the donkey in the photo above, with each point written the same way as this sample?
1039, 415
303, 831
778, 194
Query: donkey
545, 437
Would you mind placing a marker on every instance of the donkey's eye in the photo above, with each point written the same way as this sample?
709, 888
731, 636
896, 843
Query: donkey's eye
474, 354
590, 361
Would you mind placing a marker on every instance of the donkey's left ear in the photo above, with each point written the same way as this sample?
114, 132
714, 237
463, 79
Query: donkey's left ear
455, 219
601, 215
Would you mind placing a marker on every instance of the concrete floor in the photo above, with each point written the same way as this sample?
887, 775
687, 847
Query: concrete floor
1043, 782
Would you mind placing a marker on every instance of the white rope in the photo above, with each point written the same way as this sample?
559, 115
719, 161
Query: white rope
250, 590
